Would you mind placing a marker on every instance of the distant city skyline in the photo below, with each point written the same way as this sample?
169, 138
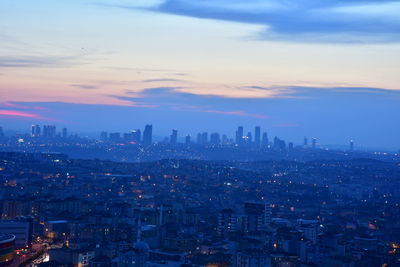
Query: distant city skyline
146, 136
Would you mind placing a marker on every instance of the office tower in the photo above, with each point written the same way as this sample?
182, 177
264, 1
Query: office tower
128, 137
174, 137
1, 132
187, 140
225, 139
215, 139
257, 136
49, 131
148, 135
199, 140
351, 145
265, 139
249, 138
103, 136
64, 133
276, 142
204, 138
239, 135
305, 142
279, 144
136, 136
290, 146
35, 132
115, 137
314, 143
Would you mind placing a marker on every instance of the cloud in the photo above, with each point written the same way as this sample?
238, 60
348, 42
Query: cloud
338, 21
85, 86
34, 61
173, 99
20, 106
162, 80
16, 113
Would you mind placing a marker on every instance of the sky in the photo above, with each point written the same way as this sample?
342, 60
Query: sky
326, 69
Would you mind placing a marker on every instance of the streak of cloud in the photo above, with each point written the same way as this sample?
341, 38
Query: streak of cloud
333, 21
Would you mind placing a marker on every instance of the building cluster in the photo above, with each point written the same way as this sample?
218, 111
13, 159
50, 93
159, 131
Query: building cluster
57, 211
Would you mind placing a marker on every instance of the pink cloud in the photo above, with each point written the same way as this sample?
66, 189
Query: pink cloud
19, 106
17, 113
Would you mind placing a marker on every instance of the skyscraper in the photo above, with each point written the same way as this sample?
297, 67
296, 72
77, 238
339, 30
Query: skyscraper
103, 136
290, 146
215, 139
239, 135
305, 142
187, 140
204, 138
351, 145
265, 140
136, 135
35, 131
249, 138
257, 136
64, 133
1, 132
174, 137
49, 131
199, 140
314, 143
148, 134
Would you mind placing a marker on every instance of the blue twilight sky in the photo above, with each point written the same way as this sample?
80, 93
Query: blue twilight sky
328, 69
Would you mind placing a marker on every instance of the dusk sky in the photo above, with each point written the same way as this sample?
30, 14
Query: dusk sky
328, 69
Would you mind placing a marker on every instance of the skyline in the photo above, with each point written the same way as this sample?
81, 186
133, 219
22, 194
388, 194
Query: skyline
255, 136
292, 67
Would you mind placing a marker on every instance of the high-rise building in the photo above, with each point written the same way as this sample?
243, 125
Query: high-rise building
314, 143
199, 140
225, 139
187, 140
174, 137
64, 133
258, 214
148, 135
249, 138
215, 139
136, 135
279, 144
1, 132
35, 130
290, 146
49, 131
103, 136
204, 138
228, 222
257, 136
115, 137
351, 145
305, 142
239, 135
265, 140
